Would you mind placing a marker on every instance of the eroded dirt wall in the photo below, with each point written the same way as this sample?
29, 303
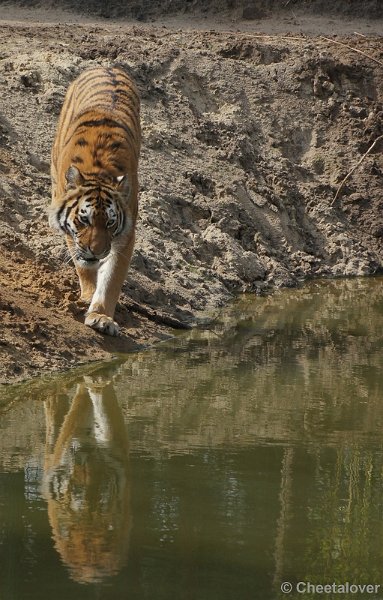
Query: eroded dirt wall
247, 138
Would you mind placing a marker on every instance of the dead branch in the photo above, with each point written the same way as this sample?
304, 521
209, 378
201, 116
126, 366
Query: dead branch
353, 49
354, 168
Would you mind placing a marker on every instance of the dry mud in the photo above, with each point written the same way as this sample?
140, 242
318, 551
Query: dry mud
247, 138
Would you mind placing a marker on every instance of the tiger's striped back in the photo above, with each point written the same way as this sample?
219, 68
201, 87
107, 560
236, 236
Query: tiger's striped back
99, 128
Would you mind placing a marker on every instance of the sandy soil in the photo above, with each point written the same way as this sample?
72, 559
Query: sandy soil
249, 126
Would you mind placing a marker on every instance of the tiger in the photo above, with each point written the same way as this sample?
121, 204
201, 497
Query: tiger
94, 173
86, 479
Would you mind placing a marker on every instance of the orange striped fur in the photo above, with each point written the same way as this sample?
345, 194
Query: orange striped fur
95, 185
86, 480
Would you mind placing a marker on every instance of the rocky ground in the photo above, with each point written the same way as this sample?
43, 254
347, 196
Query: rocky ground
249, 128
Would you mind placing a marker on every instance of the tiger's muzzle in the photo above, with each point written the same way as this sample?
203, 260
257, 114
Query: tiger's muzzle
90, 258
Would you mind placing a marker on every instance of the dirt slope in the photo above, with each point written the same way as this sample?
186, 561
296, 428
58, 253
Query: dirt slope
246, 140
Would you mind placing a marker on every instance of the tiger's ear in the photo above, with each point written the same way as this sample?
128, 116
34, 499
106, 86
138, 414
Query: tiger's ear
123, 184
73, 178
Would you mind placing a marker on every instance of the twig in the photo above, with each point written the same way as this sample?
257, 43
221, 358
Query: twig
354, 168
353, 49
261, 36
157, 317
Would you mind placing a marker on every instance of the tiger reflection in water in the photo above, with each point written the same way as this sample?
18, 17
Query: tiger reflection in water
86, 481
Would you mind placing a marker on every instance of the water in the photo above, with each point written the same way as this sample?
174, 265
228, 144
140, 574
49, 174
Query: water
215, 466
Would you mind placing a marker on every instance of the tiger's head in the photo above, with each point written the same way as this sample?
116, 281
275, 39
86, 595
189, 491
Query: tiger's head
93, 214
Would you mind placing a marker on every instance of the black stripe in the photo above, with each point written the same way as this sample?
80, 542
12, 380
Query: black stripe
129, 94
126, 80
60, 212
107, 122
82, 142
100, 84
74, 203
127, 113
128, 108
67, 211
89, 195
123, 221
114, 135
109, 75
94, 89
134, 119
86, 77
106, 192
107, 84
114, 97
98, 107
70, 105
95, 177
118, 166
103, 139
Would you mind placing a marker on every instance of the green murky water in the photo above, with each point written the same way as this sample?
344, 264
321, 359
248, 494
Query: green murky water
216, 466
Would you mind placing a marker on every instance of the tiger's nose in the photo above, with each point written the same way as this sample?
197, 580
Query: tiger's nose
99, 250
99, 242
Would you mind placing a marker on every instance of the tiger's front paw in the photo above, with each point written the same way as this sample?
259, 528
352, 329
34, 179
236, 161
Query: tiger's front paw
102, 323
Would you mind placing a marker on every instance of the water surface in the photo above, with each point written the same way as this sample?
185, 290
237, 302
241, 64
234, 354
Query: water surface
215, 466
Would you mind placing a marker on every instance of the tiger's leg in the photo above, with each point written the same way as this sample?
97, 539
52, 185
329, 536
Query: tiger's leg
87, 275
111, 276
88, 282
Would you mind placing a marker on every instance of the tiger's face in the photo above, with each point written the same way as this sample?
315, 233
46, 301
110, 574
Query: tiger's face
92, 225
92, 215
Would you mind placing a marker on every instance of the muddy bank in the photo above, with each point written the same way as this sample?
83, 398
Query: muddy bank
145, 10
246, 140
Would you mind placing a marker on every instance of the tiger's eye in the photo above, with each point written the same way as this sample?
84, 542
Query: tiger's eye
84, 220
